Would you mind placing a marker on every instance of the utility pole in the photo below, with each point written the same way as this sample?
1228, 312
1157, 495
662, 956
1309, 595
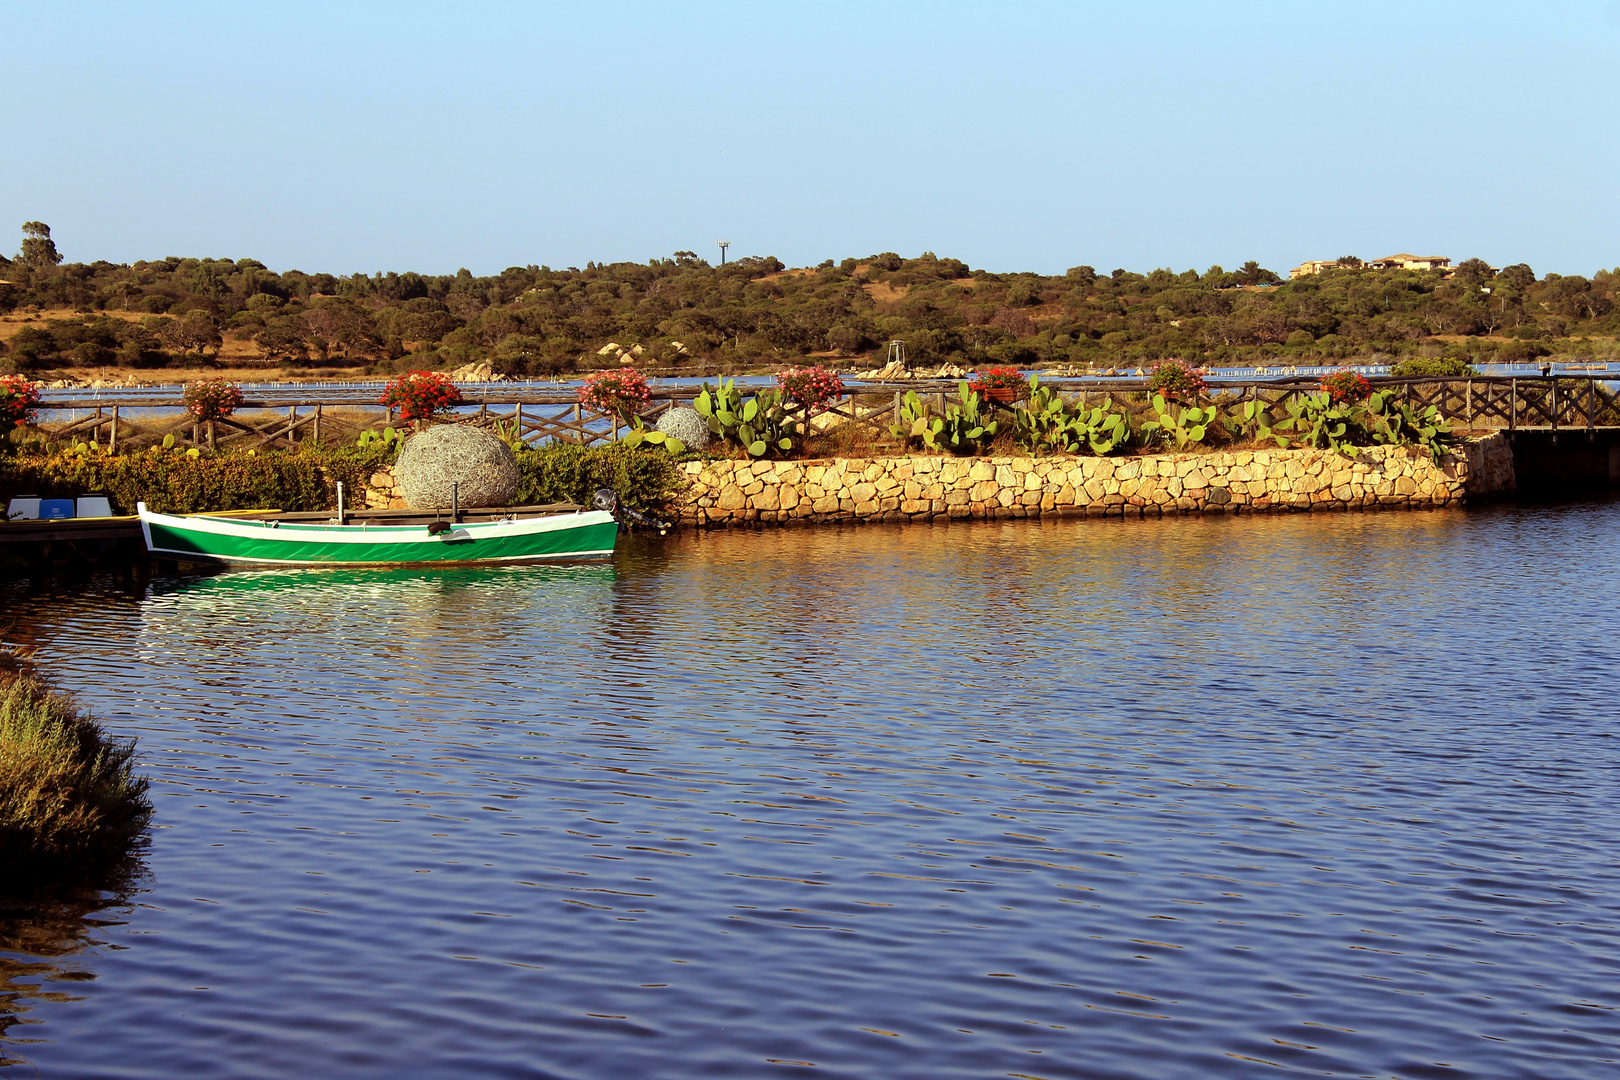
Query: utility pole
723, 245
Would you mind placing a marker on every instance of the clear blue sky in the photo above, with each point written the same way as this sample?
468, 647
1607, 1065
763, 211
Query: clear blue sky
363, 137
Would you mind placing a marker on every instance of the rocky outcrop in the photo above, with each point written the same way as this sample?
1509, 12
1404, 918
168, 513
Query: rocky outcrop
477, 372
445, 454
918, 488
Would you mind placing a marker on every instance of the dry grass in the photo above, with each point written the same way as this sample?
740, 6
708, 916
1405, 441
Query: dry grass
884, 294
16, 320
69, 798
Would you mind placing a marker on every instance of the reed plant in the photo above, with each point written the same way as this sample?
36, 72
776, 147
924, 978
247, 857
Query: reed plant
69, 797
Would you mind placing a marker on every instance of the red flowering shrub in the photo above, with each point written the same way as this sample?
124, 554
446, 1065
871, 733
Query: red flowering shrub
997, 378
619, 391
420, 395
1175, 380
18, 399
1346, 387
211, 399
811, 386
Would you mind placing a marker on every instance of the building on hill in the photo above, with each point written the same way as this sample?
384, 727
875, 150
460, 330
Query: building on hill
1315, 266
1410, 262
1402, 261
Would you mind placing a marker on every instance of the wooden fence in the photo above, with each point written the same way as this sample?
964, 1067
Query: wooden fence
1558, 403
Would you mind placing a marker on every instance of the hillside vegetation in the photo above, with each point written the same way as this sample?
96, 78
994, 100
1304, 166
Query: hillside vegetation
684, 313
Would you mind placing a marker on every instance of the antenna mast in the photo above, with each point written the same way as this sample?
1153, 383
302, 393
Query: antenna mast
723, 245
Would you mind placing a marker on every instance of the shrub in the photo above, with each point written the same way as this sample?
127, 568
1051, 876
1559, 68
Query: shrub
1175, 380
563, 472
18, 400
172, 482
421, 395
211, 399
620, 391
69, 798
1432, 367
1346, 386
812, 387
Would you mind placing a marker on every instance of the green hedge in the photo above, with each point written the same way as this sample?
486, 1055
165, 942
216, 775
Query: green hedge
306, 479
168, 481
646, 479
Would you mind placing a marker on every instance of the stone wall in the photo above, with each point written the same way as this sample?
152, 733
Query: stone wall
382, 491
918, 488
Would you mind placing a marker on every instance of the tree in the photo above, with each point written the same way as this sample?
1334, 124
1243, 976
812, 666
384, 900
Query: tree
194, 332
1254, 274
38, 249
1519, 275
1475, 271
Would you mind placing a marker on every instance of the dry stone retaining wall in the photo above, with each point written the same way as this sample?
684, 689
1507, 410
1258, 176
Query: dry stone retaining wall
918, 488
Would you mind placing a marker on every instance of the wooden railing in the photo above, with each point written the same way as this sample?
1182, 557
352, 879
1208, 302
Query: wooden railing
539, 416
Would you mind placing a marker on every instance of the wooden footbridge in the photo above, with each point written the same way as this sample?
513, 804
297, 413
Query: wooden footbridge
286, 416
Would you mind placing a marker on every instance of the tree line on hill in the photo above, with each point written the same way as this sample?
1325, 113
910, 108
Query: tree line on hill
753, 312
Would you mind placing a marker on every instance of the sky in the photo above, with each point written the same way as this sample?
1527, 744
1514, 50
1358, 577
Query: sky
358, 137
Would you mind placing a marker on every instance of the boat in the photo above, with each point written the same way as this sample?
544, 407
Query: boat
240, 541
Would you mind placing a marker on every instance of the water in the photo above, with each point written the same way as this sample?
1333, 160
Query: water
1314, 796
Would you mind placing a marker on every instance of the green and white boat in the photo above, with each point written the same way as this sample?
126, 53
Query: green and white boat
582, 534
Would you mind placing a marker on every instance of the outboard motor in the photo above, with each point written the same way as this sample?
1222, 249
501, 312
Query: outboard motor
607, 500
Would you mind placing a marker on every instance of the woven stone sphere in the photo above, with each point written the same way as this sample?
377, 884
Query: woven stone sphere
431, 460
686, 425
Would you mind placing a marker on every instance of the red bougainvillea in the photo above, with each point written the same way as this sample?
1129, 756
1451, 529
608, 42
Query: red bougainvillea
1176, 380
1346, 387
619, 391
18, 400
211, 399
421, 395
997, 378
811, 386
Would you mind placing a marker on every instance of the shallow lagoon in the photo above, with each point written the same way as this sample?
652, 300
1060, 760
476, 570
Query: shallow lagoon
1318, 795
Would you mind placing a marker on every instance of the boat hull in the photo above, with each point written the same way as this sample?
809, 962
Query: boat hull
237, 542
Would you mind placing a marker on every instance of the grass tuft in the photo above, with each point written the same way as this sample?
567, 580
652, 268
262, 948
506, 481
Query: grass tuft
69, 798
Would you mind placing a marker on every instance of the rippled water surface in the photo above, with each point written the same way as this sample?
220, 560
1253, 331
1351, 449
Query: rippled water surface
1324, 796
